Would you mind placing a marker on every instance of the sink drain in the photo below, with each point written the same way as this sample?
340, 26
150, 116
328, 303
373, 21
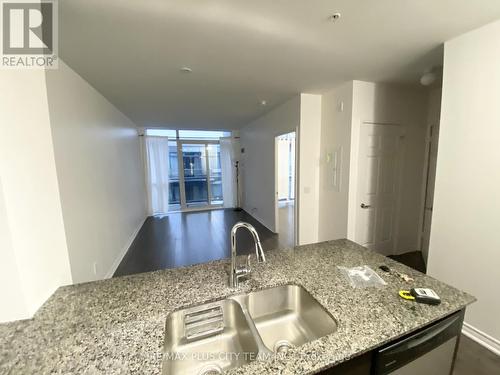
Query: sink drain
282, 346
210, 370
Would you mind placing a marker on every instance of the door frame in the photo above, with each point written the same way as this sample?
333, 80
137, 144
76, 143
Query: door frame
295, 187
182, 187
354, 180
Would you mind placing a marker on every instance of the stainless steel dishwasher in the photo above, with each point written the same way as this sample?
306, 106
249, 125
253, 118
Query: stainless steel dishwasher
430, 351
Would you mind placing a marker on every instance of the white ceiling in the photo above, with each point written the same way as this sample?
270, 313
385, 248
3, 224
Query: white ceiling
245, 51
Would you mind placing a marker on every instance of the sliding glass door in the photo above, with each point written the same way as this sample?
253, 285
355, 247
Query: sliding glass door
215, 173
200, 177
194, 161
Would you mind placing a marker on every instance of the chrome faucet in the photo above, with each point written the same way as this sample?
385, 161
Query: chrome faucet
238, 272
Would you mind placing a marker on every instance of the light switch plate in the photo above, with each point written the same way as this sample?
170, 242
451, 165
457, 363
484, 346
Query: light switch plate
336, 169
341, 106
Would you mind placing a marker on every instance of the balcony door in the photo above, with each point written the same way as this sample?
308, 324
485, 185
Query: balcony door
200, 177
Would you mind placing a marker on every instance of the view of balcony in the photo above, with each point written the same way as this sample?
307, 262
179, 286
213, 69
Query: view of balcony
201, 188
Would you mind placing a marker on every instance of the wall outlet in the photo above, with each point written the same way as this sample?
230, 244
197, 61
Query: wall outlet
94, 267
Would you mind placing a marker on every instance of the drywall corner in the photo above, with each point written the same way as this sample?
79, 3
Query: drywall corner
309, 165
11, 291
336, 123
30, 189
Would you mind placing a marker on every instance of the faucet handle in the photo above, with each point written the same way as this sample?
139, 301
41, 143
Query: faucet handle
247, 267
243, 271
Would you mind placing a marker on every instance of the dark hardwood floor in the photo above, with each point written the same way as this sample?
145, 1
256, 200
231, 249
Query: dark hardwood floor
474, 359
412, 259
182, 239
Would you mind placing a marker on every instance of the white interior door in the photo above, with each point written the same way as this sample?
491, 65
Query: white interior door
430, 181
378, 186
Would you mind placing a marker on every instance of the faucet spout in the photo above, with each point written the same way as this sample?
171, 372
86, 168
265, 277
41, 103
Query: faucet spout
261, 257
238, 272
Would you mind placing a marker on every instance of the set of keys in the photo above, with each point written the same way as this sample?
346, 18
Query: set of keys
401, 275
420, 295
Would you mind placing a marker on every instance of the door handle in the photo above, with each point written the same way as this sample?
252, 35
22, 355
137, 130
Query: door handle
365, 205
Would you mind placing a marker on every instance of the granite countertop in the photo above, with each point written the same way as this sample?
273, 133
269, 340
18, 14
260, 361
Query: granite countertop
117, 326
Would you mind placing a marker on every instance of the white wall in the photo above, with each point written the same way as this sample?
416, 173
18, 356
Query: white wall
308, 176
379, 103
465, 242
257, 138
32, 211
407, 106
100, 174
12, 294
258, 163
335, 136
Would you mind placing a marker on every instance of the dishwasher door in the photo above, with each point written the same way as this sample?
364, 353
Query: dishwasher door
430, 351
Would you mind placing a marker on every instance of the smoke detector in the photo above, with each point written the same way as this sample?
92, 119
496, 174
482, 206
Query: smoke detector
334, 17
431, 76
428, 78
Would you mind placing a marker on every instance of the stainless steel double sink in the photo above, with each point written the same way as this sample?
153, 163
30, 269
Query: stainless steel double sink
214, 337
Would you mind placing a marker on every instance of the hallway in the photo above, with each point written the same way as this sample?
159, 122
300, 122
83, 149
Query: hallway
182, 239
286, 222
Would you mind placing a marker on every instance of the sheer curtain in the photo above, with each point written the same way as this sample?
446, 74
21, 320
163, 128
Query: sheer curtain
227, 161
156, 157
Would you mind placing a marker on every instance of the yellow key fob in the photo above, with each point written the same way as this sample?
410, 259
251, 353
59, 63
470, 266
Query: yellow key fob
405, 294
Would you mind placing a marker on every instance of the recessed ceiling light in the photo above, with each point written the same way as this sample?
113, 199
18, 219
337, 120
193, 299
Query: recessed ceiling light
186, 69
263, 102
335, 17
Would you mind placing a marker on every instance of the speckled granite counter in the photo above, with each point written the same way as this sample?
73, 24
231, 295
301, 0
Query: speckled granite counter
116, 326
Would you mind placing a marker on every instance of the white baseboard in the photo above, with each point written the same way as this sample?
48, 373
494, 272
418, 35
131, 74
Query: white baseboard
481, 338
124, 250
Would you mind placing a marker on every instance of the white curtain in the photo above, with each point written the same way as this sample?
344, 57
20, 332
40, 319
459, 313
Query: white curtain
227, 161
156, 158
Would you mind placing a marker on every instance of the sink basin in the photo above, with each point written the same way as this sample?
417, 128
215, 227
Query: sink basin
214, 337
208, 339
288, 316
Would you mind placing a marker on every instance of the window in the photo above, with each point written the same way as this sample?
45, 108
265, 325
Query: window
188, 134
195, 175
202, 134
162, 133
